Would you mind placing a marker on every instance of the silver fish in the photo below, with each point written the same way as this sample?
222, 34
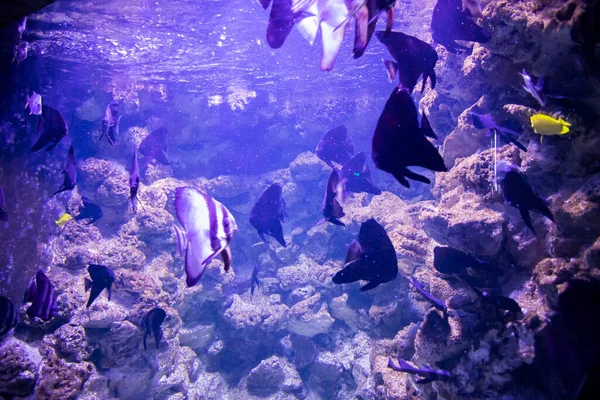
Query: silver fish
534, 89
34, 102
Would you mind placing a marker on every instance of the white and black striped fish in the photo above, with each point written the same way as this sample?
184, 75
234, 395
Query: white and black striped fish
208, 228
8, 316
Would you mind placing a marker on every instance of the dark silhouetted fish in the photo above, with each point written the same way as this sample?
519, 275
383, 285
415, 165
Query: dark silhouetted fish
110, 123
450, 23
134, 181
90, 211
586, 32
437, 303
284, 13
155, 146
332, 210
268, 213
102, 278
70, 173
51, 128
42, 296
3, 214
451, 261
484, 121
373, 259
13, 11
152, 323
254, 281
427, 373
356, 176
399, 142
500, 302
208, 228
336, 146
9, 317
520, 195
413, 59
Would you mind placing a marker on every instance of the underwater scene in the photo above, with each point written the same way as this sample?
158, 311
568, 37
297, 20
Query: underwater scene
299, 199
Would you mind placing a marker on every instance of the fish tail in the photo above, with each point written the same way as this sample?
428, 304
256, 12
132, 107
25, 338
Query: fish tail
565, 129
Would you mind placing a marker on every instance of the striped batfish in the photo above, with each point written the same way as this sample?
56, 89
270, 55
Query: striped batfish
208, 227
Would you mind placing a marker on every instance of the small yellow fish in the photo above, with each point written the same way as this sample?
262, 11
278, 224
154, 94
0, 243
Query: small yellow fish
63, 219
546, 125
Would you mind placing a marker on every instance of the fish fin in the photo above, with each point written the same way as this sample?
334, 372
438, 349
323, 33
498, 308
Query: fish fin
277, 232
87, 284
194, 265
565, 130
335, 221
181, 240
308, 27
361, 32
390, 13
321, 221
109, 291
391, 68
541, 207
527, 218
145, 336
350, 15
539, 85
426, 127
94, 293
226, 257
371, 285
161, 156
158, 337
332, 42
353, 252
338, 211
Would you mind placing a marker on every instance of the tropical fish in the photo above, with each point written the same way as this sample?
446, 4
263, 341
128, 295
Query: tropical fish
21, 26
70, 173
450, 23
414, 58
356, 176
437, 303
9, 317
336, 146
332, 210
134, 181
42, 296
500, 302
3, 214
110, 122
484, 121
89, 210
427, 374
268, 213
284, 13
534, 89
520, 195
208, 228
399, 142
102, 278
63, 220
21, 50
254, 281
547, 126
51, 128
151, 323
155, 146
34, 102
372, 259
450, 261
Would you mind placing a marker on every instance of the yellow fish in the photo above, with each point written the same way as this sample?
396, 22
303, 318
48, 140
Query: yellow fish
63, 219
546, 125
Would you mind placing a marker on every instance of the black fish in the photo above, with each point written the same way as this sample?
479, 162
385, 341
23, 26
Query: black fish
8, 316
500, 302
356, 176
450, 23
268, 213
484, 121
336, 146
427, 373
89, 210
134, 181
519, 194
3, 214
450, 261
42, 296
373, 260
70, 173
254, 281
366, 21
437, 303
399, 142
281, 21
155, 145
51, 128
13, 11
332, 210
110, 122
152, 322
413, 59
102, 278
586, 32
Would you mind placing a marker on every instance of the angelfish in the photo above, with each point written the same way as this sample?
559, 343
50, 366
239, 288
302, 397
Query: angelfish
70, 173
110, 122
102, 278
332, 210
34, 102
268, 214
208, 228
152, 322
42, 296
51, 128
9, 316
134, 181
